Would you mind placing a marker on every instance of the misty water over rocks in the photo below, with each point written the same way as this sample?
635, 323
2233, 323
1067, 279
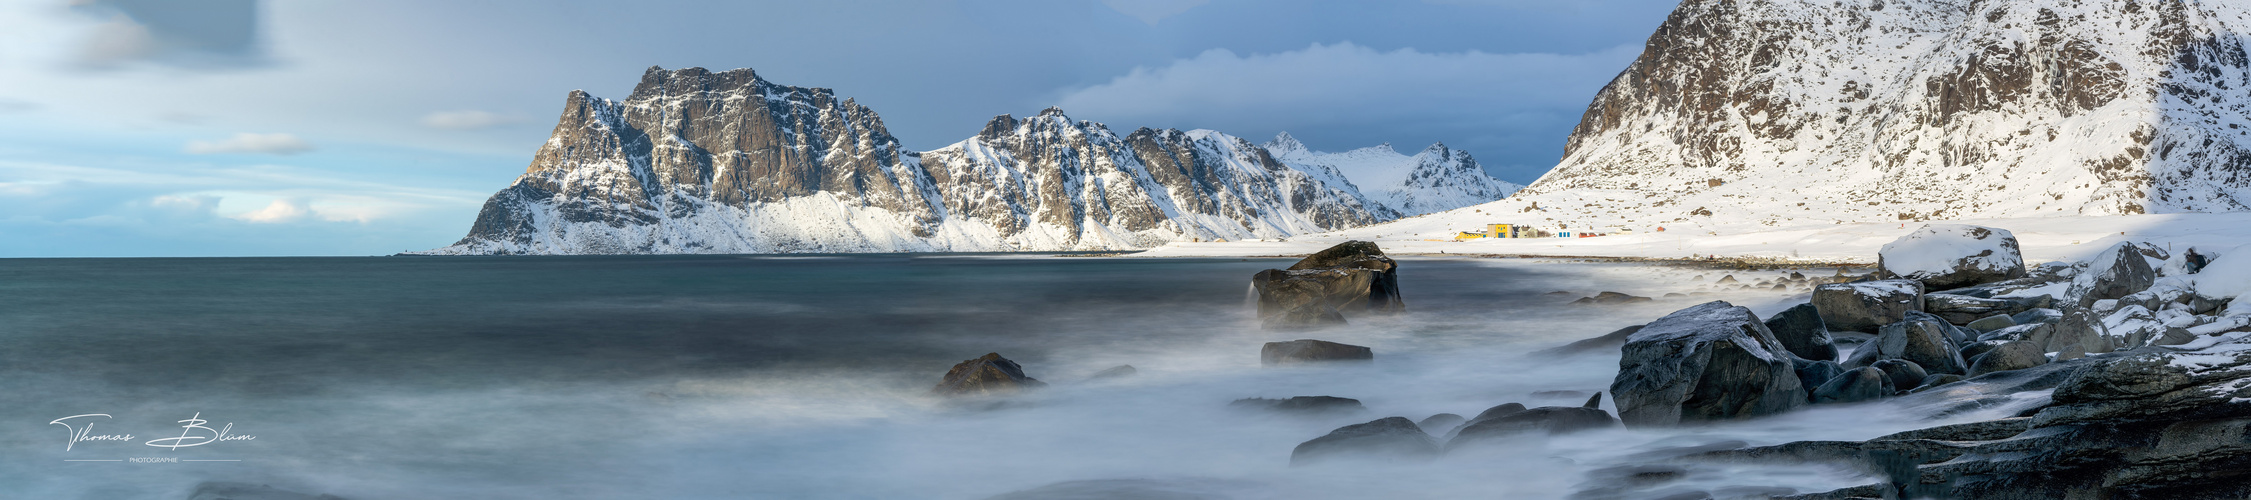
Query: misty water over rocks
808, 377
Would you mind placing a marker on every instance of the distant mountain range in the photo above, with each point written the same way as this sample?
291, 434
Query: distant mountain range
696, 161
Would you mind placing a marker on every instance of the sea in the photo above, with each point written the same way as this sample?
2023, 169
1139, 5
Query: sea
809, 377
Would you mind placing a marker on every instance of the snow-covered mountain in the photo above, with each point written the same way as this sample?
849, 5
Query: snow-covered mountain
1438, 178
1796, 111
696, 161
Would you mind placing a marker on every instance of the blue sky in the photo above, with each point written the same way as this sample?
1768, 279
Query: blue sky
308, 127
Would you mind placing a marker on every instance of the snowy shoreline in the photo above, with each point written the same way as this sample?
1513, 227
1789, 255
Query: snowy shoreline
2045, 239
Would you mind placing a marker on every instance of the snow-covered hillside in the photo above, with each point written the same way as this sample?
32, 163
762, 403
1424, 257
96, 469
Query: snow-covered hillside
1436, 179
1768, 114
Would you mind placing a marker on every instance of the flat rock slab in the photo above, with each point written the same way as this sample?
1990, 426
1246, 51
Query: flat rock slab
1311, 351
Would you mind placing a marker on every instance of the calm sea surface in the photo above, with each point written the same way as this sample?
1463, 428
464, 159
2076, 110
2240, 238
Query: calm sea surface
739, 376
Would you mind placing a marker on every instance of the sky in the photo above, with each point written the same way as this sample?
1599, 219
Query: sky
191, 128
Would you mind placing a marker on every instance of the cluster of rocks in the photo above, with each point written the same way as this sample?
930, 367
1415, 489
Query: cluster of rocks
1954, 318
1794, 281
1399, 439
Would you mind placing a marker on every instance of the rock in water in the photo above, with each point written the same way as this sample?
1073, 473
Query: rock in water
1922, 338
1119, 371
2008, 356
1944, 256
1867, 305
2115, 273
1304, 405
1309, 350
1606, 342
1801, 331
1544, 420
1441, 423
1991, 323
1854, 386
1813, 374
1905, 375
1713, 361
1389, 438
1349, 277
990, 374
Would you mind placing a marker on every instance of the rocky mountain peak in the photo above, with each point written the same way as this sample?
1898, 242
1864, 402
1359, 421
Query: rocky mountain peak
1284, 144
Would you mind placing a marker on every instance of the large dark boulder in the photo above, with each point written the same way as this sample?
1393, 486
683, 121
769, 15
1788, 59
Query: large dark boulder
1812, 374
989, 374
1353, 276
1309, 351
1904, 374
1801, 331
1853, 386
1944, 256
2115, 273
1389, 438
1713, 361
2016, 355
1868, 305
1922, 338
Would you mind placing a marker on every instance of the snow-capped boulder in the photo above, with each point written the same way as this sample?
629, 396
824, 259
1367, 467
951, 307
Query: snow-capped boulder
1945, 256
1867, 305
1921, 338
990, 374
2131, 327
1801, 331
2227, 276
2116, 272
1388, 438
1713, 361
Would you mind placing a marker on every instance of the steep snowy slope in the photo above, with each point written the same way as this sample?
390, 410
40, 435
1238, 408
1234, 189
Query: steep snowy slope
1818, 111
702, 162
1436, 179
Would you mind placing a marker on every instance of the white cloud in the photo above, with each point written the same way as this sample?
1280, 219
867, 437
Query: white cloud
1151, 11
277, 144
1345, 82
281, 210
466, 120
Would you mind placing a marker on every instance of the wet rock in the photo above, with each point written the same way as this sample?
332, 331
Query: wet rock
1309, 351
1543, 420
986, 375
1922, 339
1974, 431
1860, 384
2116, 272
1713, 361
1441, 423
1971, 351
1944, 256
2037, 315
218, 490
1937, 380
1353, 276
1802, 333
1303, 405
1991, 323
1866, 306
1962, 309
1606, 342
1904, 375
1812, 374
1389, 438
1611, 298
2009, 356
1119, 371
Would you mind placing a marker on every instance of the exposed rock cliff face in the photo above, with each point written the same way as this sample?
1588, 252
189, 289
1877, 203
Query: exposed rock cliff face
1866, 110
702, 162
